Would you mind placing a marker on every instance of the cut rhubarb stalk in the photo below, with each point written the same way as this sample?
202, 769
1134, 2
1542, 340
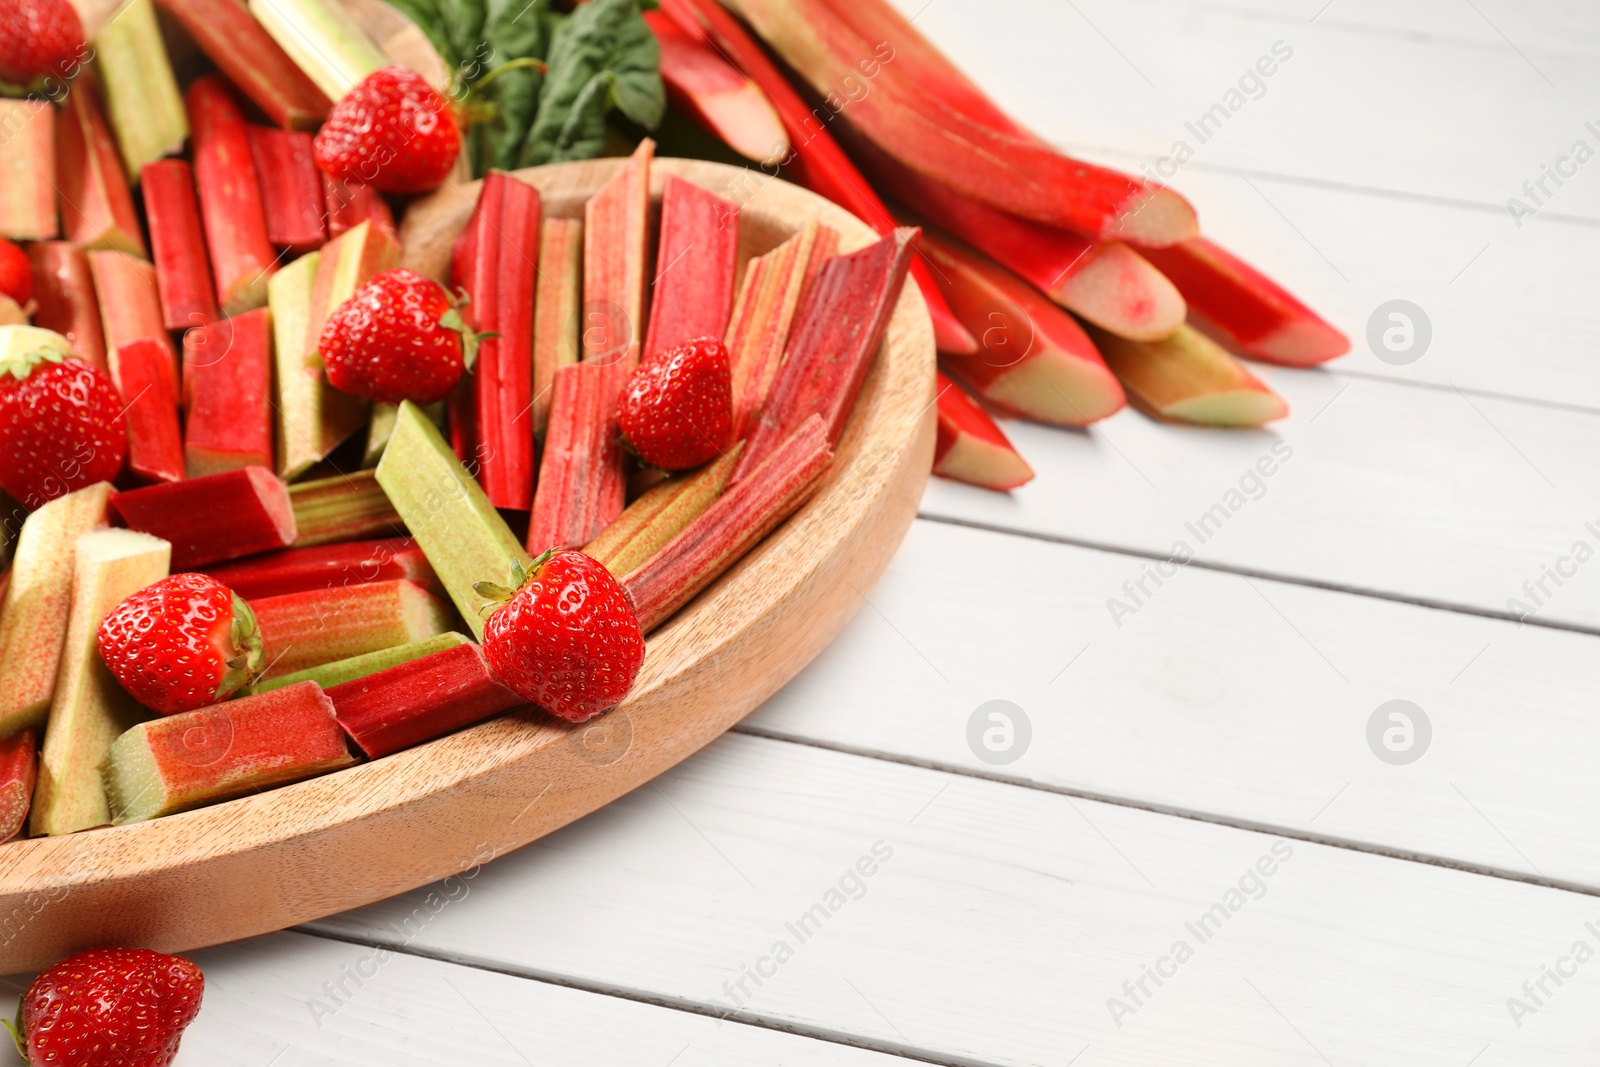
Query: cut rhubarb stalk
129, 296
183, 273
1245, 309
242, 257
313, 417
710, 90
298, 570
1034, 359
96, 207
616, 243
496, 262
555, 309
1106, 282
28, 170
346, 507
210, 519
252, 60
323, 41
692, 294
227, 385
141, 92
446, 510
971, 447
33, 623
1190, 378
837, 333
731, 526
19, 768
657, 516
380, 427
224, 751
815, 160
63, 289
348, 206
90, 709
150, 398
768, 299
291, 185
581, 490
341, 671
420, 700
300, 630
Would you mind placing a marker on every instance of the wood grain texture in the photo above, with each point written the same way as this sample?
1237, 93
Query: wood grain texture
318, 847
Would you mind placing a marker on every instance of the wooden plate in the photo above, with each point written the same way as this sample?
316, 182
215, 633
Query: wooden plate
293, 854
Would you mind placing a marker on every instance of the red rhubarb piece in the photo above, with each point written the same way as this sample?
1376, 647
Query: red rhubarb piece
579, 493
419, 701
242, 256
28, 160
63, 289
298, 570
1245, 309
971, 448
19, 766
16, 274
221, 516
291, 188
232, 39
698, 255
706, 87
349, 204
227, 384
317, 626
130, 303
149, 394
96, 206
616, 244
182, 271
836, 337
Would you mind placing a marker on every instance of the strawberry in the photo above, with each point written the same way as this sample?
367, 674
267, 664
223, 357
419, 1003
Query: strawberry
183, 643
108, 1007
399, 337
566, 638
393, 131
39, 38
676, 411
61, 426
16, 273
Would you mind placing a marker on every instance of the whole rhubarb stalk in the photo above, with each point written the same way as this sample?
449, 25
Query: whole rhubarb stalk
96, 206
659, 514
418, 701
731, 526
228, 750
299, 570
19, 768
144, 381
300, 630
291, 186
227, 383
815, 159
182, 271
130, 304
28, 162
341, 671
496, 262
244, 51
345, 507
130, 57
1190, 378
697, 258
63, 289
709, 89
210, 519
242, 256
971, 448
555, 309
616, 242
837, 333
580, 485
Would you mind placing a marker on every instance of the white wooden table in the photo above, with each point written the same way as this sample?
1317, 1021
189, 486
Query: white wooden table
1104, 897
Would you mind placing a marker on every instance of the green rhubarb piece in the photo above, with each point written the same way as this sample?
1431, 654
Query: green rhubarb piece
142, 98
33, 622
462, 535
380, 427
323, 41
346, 507
90, 709
314, 418
329, 675
657, 516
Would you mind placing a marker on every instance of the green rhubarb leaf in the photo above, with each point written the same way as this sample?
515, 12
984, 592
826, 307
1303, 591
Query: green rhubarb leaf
428, 17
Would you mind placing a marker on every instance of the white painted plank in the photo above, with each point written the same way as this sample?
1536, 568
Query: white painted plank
1420, 493
1004, 920
277, 1000
1208, 693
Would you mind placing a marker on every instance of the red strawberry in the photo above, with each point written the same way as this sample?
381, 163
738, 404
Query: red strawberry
61, 426
16, 273
566, 638
109, 1007
183, 643
39, 37
393, 131
677, 410
398, 338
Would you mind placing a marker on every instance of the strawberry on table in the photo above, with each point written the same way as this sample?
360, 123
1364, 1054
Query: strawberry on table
566, 638
38, 38
61, 425
676, 411
183, 643
393, 131
398, 337
16, 273
109, 1007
